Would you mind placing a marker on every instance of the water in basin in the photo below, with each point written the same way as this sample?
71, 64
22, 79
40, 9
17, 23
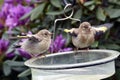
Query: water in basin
71, 58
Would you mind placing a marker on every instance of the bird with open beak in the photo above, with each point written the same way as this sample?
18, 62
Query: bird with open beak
38, 43
85, 35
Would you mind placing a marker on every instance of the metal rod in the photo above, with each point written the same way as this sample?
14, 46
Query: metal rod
66, 16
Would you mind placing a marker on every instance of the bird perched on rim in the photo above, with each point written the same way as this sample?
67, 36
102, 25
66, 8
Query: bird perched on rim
38, 43
85, 35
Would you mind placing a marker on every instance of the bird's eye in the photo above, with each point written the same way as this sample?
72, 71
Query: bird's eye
46, 34
85, 26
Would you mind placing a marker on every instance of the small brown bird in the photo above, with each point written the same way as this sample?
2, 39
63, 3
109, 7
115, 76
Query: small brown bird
85, 35
38, 43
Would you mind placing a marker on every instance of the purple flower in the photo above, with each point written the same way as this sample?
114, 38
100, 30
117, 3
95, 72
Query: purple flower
3, 45
10, 55
59, 45
28, 1
15, 13
14, 1
1, 26
11, 13
23, 53
9, 1
5, 10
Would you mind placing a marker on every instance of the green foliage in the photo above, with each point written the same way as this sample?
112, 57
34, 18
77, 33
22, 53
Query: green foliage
44, 14
25, 73
113, 12
37, 11
56, 3
6, 68
100, 14
77, 15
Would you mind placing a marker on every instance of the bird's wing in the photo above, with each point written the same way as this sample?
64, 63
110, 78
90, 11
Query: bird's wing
36, 38
75, 32
108, 25
101, 29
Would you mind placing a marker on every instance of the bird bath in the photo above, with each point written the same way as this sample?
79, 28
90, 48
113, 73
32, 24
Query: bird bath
80, 65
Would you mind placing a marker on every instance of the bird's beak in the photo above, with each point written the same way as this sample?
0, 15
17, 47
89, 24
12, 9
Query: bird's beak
67, 30
51, 33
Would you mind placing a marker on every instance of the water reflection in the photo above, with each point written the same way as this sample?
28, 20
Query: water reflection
71, 58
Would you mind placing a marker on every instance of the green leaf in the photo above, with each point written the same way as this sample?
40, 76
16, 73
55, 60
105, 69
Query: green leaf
9, 50
77, 15
15, 63
100, 14
37, 11
56, 3
95, 44
92, 7
115, 2
25, 73
54, 13
6, 68
5, 35
88, 3
26, 15
112, 46
113, 13
98, 2
107, 34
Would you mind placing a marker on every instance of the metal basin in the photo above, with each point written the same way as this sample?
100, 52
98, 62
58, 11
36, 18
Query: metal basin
80, 65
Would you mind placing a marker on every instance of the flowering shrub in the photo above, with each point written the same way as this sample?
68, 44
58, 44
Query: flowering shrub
20, 16
58, 45
3, 45
11, 13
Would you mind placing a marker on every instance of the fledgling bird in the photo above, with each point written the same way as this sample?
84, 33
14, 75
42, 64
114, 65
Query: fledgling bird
85, 35
38, 43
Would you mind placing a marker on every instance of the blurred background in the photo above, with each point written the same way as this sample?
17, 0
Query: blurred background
21, 17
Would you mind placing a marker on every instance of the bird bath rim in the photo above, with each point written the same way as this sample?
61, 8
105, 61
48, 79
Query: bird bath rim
112, 55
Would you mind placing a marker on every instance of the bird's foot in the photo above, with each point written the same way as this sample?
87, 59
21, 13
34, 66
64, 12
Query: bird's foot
32, 55
85, 49
41, 55
76, 50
